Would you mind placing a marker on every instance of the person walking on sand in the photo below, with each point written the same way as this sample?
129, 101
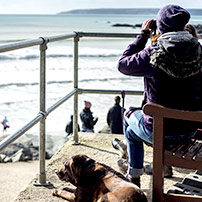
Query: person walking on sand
172, 71
114, 117
5, 125
87, 119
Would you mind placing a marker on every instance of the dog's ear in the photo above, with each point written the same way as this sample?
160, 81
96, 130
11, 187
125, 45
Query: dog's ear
82, 164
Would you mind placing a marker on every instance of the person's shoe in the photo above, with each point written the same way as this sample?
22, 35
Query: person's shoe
168, 171
148, 169
119, 145
123, 165
116, 143
134, 180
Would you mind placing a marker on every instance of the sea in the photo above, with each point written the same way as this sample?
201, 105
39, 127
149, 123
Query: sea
98, 58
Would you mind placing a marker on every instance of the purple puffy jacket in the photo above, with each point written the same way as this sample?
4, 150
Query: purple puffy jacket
172, 71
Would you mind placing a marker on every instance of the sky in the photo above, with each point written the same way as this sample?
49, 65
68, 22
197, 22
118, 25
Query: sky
56, 6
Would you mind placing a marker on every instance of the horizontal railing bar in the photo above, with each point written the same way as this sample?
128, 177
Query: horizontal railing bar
61, 37
100, 91
94, 34
39, 41
19, 45
11, 138
61, 101
122, 35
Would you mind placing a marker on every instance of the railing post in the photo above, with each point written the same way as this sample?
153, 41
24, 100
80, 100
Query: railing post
42, 144
75, 117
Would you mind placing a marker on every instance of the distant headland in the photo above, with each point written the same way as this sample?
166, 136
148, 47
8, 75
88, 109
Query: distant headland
134, 11
129, 11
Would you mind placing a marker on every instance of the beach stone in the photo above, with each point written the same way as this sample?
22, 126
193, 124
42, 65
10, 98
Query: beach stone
22, 149
7, 159
2, 157
18, 156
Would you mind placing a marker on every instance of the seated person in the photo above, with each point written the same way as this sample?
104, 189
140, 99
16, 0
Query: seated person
172, 71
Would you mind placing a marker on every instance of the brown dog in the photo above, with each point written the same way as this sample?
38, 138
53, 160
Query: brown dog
95, 182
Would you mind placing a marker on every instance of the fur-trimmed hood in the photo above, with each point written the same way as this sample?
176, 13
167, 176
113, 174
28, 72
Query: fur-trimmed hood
179, 54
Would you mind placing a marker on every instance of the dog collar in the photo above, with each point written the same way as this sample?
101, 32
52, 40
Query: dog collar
89, 166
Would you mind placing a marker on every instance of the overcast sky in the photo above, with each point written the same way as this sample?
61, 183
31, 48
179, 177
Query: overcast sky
56, 6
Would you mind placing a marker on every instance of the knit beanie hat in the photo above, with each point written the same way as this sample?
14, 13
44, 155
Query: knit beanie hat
172, 18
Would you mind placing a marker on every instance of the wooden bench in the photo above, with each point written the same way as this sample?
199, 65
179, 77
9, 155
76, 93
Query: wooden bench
184, 155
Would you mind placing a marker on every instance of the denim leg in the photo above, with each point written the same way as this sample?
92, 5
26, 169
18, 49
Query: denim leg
135, 153
136, 134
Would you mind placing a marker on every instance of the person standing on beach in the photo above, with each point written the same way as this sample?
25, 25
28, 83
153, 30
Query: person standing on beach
114, 117
87, 119
5, 125
172, 71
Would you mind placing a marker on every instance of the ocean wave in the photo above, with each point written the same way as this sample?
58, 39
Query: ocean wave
32, 84
106, 79
31, 57
18, 84
65, 82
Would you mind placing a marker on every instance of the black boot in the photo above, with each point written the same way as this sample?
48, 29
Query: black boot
134, 180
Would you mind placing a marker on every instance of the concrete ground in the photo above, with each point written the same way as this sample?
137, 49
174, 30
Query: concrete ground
97, 146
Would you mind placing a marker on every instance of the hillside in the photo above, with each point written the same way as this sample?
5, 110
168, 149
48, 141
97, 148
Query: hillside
136, 11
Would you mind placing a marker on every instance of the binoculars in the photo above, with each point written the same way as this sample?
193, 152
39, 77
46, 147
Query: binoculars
153, 26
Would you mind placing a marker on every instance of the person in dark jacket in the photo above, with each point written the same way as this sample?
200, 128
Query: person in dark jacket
87, 119
69, 127
114, 117
172, 71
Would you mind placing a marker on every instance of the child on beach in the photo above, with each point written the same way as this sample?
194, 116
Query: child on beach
172, 71
5, 125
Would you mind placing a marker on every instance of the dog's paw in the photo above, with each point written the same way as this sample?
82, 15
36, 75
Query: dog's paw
55, 192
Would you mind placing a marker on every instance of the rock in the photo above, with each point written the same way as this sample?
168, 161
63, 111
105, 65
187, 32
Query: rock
7, 159
21, 150
2, 157
18, 156
122, 25
198, 27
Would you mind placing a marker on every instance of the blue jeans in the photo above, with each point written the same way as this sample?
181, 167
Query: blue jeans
136, 134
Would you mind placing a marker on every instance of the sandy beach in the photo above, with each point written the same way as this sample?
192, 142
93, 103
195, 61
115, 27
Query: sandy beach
15, 177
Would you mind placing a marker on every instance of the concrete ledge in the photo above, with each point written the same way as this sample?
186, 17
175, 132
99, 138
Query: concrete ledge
97, 146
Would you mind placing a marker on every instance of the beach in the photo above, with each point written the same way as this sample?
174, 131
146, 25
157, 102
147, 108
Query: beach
15, 177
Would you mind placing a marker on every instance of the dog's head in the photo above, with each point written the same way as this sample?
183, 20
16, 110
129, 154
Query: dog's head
75, 168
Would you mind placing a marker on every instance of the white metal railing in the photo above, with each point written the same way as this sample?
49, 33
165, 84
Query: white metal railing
43, 112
